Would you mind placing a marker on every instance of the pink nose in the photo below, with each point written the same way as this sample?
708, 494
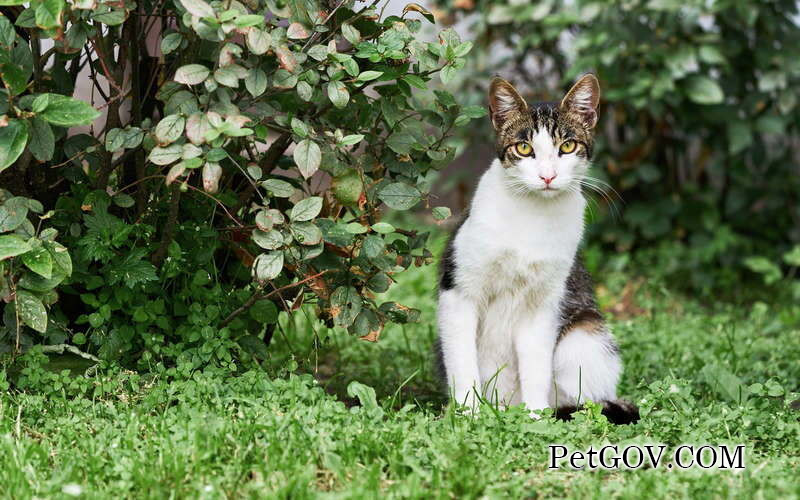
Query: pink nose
547, 180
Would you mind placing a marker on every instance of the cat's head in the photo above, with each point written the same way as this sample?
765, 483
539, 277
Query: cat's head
545, 149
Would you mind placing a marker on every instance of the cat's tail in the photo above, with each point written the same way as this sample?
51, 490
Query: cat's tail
619, 412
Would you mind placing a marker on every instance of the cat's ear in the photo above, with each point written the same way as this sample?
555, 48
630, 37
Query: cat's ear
504, 102
582, 99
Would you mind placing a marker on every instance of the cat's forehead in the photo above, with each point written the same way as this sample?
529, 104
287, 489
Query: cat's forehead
540, 117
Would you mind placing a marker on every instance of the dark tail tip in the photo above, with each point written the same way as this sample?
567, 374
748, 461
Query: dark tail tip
618, 412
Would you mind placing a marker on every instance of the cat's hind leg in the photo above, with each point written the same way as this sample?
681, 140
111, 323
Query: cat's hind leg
587, 366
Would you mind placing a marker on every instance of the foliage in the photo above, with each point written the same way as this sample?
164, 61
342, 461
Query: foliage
699, 118
32, 265
724, 375
264, 138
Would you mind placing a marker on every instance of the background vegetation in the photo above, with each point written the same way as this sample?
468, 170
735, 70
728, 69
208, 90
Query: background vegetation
262, 140
699, 121
190, 254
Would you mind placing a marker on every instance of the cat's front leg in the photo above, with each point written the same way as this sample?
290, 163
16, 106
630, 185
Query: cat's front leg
458, 331
534, 340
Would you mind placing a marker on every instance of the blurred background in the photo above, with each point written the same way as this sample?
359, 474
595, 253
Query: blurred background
698, 133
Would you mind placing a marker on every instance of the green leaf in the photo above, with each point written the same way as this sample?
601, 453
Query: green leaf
792, 257
191, 74
249, 20
704, 90
400, 196
171, 42
264, 311
170, 129
268, 266
401, 142
12, 245
462, 49
13, 213
373, 246
366, 395
351, 139
39, 261
227, 76
198, 8
369, 75
305, 91
165, 156
12, 142
60, 256
351, 34
347, 188
338, 94
123, 200
345, 305
306, 209
112, 17
740, 136
711, 55
415, 81
279, 188
308, 156
769, 271
383, 228
42, 142
306, 233
48, 14
441, 213
269, 240
15, 76
31, 310
355, 228
474, 111
256, 82
67, 112
448, 73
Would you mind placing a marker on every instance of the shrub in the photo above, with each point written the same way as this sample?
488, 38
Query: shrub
699, 120
263, 139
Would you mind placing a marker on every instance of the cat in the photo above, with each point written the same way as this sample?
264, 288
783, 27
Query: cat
517, 316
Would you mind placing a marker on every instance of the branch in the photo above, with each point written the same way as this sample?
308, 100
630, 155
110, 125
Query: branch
169, 228
60, 348
259, 296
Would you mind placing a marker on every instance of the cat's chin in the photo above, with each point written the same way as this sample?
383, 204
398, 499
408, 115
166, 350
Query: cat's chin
546, 194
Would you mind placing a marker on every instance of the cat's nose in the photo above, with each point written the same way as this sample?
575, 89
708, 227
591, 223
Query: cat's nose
547, 180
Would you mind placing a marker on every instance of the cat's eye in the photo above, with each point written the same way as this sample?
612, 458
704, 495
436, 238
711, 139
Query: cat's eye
568, 147
523, 149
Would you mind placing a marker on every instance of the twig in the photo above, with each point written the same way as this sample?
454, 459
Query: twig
234, 219
169, 227
107, 73
258, 296
60, 348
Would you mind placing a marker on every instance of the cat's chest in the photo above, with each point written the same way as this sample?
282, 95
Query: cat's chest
492, 269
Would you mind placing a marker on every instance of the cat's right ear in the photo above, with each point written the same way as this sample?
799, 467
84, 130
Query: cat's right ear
504, 102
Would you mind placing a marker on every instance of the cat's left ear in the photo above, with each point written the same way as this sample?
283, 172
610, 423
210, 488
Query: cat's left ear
582, 99
504, 102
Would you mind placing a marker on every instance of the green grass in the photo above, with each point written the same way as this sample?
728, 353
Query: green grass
718, 374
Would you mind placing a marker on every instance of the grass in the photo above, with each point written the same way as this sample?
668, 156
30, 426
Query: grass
361, 420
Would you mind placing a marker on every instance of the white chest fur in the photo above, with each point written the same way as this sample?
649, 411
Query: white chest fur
516, 245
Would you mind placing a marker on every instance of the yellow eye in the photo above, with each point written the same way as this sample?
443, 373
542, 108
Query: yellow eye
568, 147
523, 149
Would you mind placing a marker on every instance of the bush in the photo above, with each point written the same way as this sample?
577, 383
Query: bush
263, 140
699, 120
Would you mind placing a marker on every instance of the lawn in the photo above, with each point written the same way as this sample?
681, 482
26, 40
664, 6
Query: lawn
334, 416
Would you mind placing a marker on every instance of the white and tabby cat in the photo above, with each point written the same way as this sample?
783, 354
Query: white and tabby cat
518, 322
